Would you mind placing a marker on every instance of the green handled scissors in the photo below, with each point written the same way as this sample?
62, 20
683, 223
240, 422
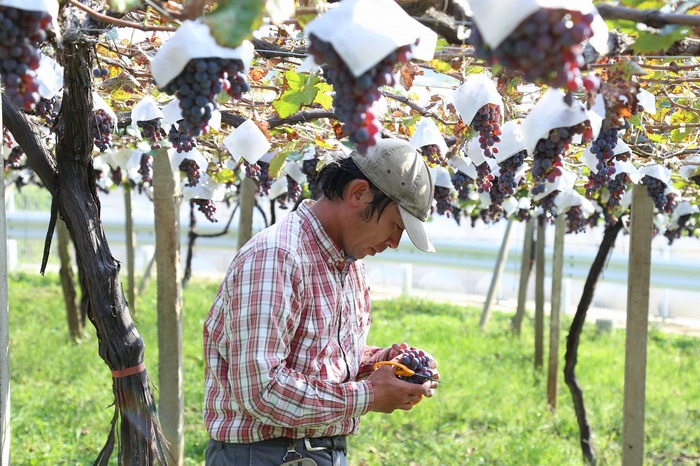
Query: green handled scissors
405, 371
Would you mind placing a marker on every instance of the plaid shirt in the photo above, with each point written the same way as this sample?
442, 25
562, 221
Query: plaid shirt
284, 342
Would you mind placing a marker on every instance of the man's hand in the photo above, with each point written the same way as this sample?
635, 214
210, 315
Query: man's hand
391, 393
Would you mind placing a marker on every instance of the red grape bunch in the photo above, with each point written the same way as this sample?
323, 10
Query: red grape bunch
487, 122
684, 225
207, 207
433, 157
461, 183
191, 169
443, 198
603, 148
14, 159
656, 190
616, 189
575, 221
546, 47
181, 141
102, 127
260, 173
47, 110
416, 360
7, 139
548, 155
354, 95
146, 168
509, 167
21, 32
151, 129
308, 168
292, 194
548, 205
199, 83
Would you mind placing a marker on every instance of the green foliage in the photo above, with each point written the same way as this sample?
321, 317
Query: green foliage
651, 42
123, 6
233, 21
490, 410
300, 90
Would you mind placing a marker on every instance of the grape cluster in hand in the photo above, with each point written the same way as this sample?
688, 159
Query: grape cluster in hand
21, 32
198, 84
416, 360
354, 95
102, 127
152, 130
487, 122
546, 47
548, 153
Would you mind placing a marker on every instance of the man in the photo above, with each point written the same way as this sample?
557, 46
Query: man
288, 374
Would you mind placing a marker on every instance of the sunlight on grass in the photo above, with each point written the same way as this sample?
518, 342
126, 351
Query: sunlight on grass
491, 409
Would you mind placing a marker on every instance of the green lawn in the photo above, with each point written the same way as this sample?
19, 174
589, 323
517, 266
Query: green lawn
491, 409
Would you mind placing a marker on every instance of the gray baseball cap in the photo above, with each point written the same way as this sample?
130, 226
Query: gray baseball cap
397, 169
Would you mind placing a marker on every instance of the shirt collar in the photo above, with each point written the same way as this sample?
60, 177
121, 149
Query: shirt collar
335, 256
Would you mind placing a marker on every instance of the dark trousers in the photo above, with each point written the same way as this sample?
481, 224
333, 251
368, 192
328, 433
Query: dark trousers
268, 453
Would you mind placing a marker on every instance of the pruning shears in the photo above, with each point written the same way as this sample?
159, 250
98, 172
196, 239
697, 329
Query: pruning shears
404, 371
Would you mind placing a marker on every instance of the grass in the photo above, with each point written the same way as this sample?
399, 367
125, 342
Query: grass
491, 409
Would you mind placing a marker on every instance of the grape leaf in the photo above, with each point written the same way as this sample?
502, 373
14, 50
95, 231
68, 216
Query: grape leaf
123, 6
324, 98
224, 176
648, 42
300, 90
277, 163
235, 20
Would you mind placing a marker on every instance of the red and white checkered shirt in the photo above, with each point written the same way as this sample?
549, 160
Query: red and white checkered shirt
284, 342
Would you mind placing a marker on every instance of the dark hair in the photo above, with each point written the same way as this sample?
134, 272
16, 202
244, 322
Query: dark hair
335, 175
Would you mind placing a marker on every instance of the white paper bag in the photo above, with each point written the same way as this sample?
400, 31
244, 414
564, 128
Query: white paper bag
248, 142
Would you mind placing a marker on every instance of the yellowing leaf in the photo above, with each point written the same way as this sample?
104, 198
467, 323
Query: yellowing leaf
324, 97
322, 143
224, 176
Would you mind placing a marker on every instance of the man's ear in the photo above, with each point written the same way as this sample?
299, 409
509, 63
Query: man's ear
358, 190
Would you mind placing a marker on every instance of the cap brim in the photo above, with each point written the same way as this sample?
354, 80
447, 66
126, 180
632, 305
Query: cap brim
416, 231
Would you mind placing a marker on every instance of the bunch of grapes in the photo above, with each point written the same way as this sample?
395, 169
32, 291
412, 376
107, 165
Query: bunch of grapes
117, 176
546, 47
433, 157
354, 95
509, 167
684, 225
461, 183
548, 154
616, 189
14, 159
308, 168
100, 73
443, 200
602, 148
207, 207
575, 221
656, 189
487, 122
416, 360
47, 110
523, 214
151, 129
21, 32
146, 168
484, 178
191, 169
102, 127
180, 140
292, 194
548, 206
7, 139
198, 84
260, 173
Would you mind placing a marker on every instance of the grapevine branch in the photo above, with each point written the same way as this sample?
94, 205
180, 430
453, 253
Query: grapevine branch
118, 22
653, 18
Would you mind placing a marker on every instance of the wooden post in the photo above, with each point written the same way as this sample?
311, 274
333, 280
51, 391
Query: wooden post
497, 274
171, 404
246, 203
525, 268
639, 272
539, 293
130, 246
4, 324
555, 311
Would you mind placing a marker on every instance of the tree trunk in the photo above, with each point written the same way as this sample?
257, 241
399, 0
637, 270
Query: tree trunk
120, 345
572, 340
539, 293
497, 274
641, 234
4, 326
130, 246
555, 312
171, 403
525, 270
246, 203
70, 297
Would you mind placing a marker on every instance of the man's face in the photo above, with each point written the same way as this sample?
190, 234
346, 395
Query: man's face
367, 237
